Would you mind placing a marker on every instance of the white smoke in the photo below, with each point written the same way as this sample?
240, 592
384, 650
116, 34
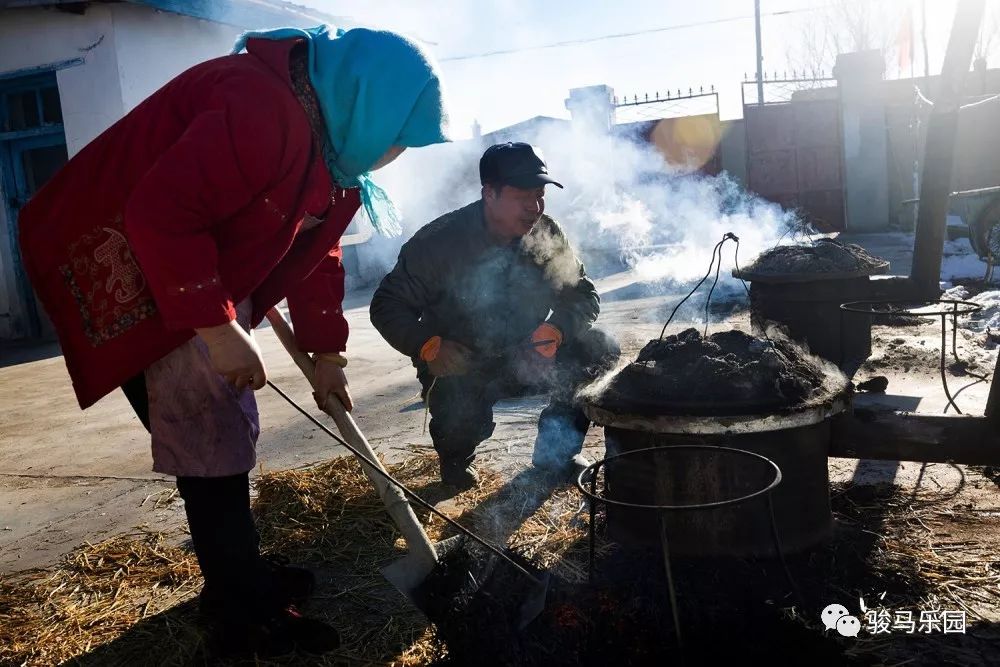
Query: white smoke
424, 184
622, 207
546, 248
622, 198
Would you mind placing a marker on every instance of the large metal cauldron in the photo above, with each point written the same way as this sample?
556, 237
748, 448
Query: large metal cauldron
797, 440
808, 306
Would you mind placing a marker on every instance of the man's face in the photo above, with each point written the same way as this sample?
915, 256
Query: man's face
514, 211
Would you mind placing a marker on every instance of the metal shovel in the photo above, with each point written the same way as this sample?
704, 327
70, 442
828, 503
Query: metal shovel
412, 573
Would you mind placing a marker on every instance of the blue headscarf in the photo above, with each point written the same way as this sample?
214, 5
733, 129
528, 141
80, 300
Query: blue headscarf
376, 89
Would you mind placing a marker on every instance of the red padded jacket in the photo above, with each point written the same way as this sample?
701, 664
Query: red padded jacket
189, 204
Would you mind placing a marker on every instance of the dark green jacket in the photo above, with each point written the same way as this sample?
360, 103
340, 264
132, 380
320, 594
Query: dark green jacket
452, 281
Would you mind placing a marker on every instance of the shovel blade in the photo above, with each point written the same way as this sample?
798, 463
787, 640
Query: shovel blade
533, 595
409, 575
406, 574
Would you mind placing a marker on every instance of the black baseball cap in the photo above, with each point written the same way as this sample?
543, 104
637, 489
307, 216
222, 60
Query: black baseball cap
516, 164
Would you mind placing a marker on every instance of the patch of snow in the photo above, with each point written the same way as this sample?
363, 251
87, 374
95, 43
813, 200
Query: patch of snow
989, 316
958, 247
960, 261
955, 293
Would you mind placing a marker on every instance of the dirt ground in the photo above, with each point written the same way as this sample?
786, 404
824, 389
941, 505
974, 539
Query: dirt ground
67, 477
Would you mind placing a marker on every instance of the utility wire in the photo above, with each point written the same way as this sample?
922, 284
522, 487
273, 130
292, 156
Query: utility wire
623, 35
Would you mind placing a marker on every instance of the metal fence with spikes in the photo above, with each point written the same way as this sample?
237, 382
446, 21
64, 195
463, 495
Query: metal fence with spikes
671, 103
779, 87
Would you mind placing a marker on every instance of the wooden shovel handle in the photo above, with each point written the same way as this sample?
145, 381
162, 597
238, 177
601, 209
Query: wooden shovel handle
394, 499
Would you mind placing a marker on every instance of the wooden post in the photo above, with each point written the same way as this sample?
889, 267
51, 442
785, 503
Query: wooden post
939, 154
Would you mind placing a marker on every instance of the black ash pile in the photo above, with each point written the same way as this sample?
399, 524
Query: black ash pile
476, 601
727, 373
823, 256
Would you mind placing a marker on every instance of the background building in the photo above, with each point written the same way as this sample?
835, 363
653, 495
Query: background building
69, 70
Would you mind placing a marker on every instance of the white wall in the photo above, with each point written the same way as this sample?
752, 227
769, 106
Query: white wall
154, 47
128, 51
141, 50
90, 95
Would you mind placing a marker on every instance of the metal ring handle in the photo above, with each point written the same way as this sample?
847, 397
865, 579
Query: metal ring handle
590, 473
949, 307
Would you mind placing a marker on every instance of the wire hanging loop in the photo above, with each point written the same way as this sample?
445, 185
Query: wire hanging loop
716, 255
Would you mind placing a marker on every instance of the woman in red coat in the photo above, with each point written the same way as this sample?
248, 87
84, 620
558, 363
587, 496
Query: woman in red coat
158, 248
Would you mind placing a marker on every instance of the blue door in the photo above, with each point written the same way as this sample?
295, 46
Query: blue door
32, 149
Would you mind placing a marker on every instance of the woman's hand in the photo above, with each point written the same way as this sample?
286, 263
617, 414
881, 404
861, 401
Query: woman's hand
234, 355
331, 379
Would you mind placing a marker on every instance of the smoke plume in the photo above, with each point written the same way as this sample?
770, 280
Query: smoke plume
623, 207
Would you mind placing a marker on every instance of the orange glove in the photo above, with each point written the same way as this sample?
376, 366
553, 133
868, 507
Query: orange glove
546, 339
431, 348
445, 357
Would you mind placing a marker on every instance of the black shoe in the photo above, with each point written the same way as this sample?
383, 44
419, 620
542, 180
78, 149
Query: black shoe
282, 632
294, 584
461, 476
280, 584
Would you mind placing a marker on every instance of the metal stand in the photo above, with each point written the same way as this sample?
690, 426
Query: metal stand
586, 483
943, 308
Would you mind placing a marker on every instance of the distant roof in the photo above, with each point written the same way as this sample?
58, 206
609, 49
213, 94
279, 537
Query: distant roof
525, 126
239, 13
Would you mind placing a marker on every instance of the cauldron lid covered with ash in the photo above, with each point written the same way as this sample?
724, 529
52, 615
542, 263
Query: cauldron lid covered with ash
823, 260
727, 373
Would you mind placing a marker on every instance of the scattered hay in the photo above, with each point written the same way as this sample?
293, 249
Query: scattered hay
918, 558
128, 600
329, 516
96, 595
315, 514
